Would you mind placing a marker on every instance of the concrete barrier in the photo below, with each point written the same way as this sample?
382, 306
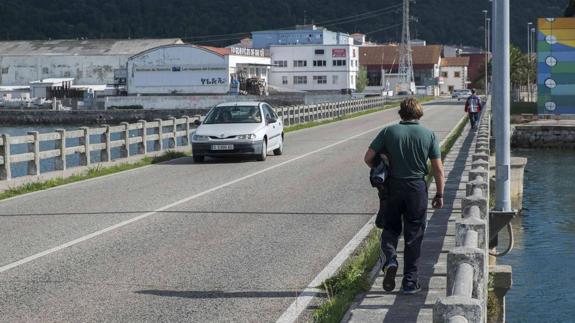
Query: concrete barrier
467, 263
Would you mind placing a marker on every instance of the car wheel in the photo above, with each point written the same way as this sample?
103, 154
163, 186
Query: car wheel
280, 150
198, 159
264, 153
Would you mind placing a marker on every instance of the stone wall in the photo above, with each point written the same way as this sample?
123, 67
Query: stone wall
530, 136
29, 117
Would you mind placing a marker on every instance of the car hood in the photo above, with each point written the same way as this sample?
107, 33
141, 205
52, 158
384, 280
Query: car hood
226, 129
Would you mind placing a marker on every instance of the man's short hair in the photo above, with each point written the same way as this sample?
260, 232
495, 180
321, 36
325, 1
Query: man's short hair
473, 91
410, 109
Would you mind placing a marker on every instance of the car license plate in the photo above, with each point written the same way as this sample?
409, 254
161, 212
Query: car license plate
222, 147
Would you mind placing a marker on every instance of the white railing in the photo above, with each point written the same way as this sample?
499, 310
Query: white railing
141, 134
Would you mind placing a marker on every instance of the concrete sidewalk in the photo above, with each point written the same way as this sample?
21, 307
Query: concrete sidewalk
378, 305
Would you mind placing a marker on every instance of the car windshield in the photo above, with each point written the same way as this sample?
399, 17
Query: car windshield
234, 114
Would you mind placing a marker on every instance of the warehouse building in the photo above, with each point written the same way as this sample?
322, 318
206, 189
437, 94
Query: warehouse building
189, 69
88, 62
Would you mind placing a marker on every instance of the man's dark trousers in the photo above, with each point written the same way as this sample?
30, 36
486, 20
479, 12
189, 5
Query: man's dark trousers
407, 207
473, 118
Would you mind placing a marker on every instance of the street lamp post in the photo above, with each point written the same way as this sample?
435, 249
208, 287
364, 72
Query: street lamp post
502, 105
529, 61
487, 56
485, 40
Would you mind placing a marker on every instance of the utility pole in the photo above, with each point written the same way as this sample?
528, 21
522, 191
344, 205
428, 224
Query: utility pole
405, 59
502, 102
487, 59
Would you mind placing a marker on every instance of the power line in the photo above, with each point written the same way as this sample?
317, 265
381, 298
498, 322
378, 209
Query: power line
331, 22
383, 29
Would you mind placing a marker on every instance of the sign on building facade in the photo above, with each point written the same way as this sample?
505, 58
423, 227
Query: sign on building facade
556, 65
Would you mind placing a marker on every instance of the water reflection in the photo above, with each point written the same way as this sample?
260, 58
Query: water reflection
544, 256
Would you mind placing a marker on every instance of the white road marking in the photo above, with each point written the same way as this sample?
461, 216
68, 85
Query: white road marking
164, 208
302, 301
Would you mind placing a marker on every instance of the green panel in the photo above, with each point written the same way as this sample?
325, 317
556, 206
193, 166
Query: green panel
564, 67
543, 46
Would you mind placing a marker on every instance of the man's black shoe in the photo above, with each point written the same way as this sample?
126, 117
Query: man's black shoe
389, 272
410, 288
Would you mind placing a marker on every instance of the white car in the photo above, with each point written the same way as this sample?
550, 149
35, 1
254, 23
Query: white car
461, 94
239, 129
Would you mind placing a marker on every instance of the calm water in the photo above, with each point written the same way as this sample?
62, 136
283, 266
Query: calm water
544, 256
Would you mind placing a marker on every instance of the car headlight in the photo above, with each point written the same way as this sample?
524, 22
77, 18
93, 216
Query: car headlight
250, 136
199, 138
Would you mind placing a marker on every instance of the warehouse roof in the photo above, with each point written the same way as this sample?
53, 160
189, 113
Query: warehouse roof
423, 56
454, 61
82, 47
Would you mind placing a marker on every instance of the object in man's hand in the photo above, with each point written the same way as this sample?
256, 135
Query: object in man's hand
378, 175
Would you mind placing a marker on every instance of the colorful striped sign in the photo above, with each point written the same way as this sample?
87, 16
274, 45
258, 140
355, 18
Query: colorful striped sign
556, 65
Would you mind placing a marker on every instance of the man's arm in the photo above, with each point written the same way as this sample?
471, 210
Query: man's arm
439, 176
369, 157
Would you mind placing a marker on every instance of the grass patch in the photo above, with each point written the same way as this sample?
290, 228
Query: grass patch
518, 108
353, 278
92, 172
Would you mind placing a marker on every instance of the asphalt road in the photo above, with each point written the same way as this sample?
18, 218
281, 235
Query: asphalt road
228, 243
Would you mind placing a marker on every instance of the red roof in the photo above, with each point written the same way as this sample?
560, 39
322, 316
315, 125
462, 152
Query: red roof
454, 61
388, 56
218, 50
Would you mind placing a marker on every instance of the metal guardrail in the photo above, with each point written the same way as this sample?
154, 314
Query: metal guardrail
467, 263
142, 134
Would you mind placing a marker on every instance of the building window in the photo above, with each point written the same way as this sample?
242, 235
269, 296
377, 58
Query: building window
284, 80
45, 70
339, 62
457, 74
300, 80
320, 79
4, 70
280, 63
319, 63
319, 52
334, 79
352, 79
299, 63
67, 74
443, 74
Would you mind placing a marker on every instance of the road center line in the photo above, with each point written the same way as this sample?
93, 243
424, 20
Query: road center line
182, 201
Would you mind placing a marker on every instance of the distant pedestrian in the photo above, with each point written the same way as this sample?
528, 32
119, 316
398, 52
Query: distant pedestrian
473, 108
408, 146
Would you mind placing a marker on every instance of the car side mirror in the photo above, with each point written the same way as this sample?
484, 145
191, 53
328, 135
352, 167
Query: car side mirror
197, 122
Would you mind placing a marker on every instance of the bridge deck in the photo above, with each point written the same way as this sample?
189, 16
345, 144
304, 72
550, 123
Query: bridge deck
378, 305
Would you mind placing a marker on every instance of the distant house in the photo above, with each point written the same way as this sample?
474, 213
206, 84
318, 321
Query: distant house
88, 62
382, 64
453, 74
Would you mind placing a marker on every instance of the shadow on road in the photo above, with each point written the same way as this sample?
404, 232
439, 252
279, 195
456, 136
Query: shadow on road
223, 294
191, 212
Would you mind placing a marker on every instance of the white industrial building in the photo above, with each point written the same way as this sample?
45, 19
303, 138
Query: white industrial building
315, 67
453, 74
88, 62
190, 69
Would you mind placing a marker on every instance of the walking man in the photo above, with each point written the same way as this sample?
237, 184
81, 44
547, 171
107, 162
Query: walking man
408, 146
473, 108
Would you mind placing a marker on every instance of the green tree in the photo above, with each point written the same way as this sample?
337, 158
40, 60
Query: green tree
362, 80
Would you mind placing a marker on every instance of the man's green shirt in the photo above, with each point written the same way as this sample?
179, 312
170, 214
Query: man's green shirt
409, 146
